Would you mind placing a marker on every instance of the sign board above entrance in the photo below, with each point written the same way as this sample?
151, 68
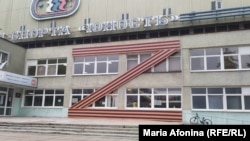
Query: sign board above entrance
17, 79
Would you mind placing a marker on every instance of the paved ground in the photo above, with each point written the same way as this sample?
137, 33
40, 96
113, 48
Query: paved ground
7, 136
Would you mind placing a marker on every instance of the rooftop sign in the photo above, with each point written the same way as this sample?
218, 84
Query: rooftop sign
88, 27
51, 9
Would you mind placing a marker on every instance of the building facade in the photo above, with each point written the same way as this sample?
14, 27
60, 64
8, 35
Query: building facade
161, 60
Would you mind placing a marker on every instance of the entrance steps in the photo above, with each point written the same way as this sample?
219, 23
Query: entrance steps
124, 131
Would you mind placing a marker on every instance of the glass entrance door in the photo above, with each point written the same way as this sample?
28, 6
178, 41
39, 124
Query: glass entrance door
6, 98
2, 103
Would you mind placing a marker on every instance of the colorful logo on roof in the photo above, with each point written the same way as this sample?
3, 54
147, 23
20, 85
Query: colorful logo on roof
51, 9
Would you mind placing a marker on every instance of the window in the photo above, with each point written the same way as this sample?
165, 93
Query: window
216, 5
153, 98
47, 67
220, 59
4, 57
109, 100
44, 98
231, 60
169, 65
96, 65
220, 98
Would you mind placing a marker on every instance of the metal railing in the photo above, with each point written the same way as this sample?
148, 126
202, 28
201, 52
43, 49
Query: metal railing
215, 14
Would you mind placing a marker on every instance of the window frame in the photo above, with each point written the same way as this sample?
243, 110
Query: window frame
166, 62
2, 60
32, 93
34, 64
84, 63
241, 51
135, 92
245, 92
84, 94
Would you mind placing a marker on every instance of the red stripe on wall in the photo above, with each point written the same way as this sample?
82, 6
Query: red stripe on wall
160, 50
126, 77
163, 115
123, 49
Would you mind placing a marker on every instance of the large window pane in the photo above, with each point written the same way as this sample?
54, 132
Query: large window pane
234, 102
2, 111
59, 101
113, 67
31, 70
247, 102
131, 64
161, 67
3, 57
61, 69
10, 95
174, 101
51, 70
231, 62
89, 68
215, 102
8, 111
100, 103
101, 67
38, 101
48, 101
145, 101
245, 61
132, 61
199, 102
174, 64
41, 70
213, 63
197, 63
28, 100
111, 100
78, 68
132, 101
160, 101
75, 99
